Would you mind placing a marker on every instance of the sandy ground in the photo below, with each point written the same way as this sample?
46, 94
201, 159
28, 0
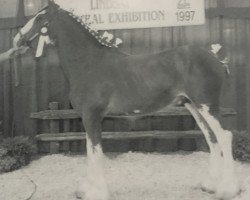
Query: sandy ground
130, 176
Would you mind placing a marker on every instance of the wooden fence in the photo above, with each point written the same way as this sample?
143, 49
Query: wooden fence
170, 129
39, 82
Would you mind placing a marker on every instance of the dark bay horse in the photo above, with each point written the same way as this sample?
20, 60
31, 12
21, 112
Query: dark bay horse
104, 80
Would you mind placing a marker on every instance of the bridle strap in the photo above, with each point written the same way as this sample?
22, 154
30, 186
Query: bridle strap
20, 33
33, 37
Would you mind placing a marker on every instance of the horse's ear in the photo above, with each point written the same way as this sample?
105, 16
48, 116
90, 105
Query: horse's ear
51, 2
53, 8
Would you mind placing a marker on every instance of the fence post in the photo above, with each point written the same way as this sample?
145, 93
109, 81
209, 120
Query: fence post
74, 144
54, 128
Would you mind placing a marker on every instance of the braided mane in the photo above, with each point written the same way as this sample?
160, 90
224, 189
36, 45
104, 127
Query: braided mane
103, 37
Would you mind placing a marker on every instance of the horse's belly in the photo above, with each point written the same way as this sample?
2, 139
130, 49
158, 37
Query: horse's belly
142, 89
139, 104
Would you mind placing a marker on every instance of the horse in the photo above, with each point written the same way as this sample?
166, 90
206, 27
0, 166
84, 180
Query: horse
103, 80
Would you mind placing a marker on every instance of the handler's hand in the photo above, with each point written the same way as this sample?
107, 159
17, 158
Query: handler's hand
17, 50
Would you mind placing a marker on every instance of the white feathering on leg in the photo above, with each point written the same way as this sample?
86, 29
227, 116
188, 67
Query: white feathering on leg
215, 159
95, 187
228, 187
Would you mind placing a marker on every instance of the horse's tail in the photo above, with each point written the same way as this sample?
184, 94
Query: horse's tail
219, 52
206, 75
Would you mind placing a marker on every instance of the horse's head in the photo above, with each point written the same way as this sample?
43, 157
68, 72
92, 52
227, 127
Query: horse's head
35, 33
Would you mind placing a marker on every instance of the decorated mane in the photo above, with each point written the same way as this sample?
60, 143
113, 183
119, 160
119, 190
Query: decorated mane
103, 37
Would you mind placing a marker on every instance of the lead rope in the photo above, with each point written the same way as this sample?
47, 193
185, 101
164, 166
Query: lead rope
20, 16
16, 60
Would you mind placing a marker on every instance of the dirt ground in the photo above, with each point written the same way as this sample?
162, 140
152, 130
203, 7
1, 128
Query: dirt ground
130, 176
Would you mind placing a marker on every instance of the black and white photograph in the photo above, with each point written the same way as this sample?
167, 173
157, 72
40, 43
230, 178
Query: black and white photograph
124, 99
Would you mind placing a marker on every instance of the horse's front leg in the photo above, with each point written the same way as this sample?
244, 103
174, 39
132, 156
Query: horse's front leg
95, 187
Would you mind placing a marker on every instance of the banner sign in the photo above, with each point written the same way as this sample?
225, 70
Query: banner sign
127, 14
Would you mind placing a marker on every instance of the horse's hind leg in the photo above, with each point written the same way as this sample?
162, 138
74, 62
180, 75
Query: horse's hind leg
215, 158
221, 177
95, 187
228, 185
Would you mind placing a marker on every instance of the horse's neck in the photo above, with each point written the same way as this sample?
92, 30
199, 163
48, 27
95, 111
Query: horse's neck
76, 47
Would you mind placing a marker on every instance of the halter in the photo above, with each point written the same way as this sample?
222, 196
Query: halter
42, 33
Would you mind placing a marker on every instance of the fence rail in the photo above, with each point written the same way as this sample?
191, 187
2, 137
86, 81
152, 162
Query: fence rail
149, 139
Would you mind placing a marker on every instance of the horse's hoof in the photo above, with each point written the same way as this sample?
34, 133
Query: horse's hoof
80, 194
90, 196
228, 190
228, 193
205, 189
91, 192
208, 186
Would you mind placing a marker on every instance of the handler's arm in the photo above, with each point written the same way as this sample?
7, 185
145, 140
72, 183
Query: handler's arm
5, 56
11, 53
